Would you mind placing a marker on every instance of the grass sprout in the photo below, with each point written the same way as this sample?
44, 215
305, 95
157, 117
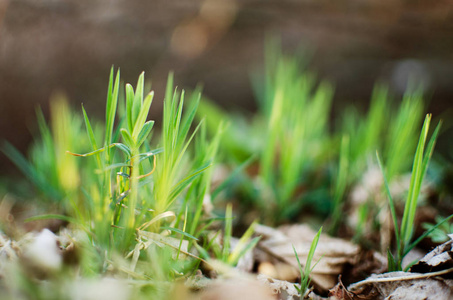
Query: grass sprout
340, 185
305, 272
226, 253
152, 206
404, 233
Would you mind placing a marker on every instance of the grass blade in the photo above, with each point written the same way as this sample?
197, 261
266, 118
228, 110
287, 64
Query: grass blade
311, 253
415, 185
228, 232
243, 245
91, 136
129, 105
143, 114
112, 101
181, 185
430, 149
232, 176
180, 232
51, 216
425, 234
128, 140
391, 202
138, 98
144, 132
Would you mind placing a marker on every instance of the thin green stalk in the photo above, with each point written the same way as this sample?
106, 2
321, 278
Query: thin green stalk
340, 185
305, 279
404, 234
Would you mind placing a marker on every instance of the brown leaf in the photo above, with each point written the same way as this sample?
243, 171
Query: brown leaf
331, 256
284, 289
426, 289
238, 288
405, 285
340, 292
440, 258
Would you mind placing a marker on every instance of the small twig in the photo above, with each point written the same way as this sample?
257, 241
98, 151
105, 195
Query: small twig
399, 278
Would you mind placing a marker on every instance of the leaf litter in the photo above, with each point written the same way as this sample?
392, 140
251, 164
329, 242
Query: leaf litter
429, 278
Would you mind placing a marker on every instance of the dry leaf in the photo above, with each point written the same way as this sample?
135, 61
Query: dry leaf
426, 284
280, 270
331, 255
341, 292
284, 289
105, 288
426, 289
404, 285
237, 288
440, 258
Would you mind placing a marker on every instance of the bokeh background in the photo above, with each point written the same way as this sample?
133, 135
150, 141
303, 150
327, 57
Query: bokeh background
49, 46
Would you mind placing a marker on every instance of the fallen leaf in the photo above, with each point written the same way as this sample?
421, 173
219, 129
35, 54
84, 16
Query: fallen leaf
331, 255
405, 285
440, 258
284, 289
237, 288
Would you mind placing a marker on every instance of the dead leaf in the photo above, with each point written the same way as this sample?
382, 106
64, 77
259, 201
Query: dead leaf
341, 292
280, 270
426, 289
405, 285
284, 289
237, 288
331, 256
440, 258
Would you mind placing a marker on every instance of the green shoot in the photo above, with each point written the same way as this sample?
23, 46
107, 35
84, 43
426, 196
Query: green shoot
340, 186
295, 137
305, 272
227, 254
404, 233
175, 141
440, 234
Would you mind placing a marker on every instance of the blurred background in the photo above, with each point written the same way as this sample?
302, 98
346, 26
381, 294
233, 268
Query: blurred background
68, 46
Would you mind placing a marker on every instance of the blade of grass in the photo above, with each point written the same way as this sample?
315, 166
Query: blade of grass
228, 232
390, 198
143, 114
243, 245
144, 133
425, 234
112, 101
138, 99
415, 185
233, 175
129, 105
91, 136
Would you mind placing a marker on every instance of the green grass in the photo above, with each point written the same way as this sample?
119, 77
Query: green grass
289, 136
439, 231
301, 164
305, 272
404, 232
145, 205
224, 252
387, 128
132, 194
293, 140
340, 186
57, 176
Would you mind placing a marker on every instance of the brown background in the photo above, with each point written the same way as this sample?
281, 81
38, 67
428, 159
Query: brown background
49, 45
